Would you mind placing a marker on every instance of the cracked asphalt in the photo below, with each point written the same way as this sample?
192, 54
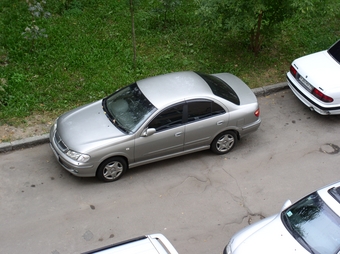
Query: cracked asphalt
197, 201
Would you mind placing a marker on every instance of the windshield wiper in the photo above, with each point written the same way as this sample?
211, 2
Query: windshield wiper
111, 118
107, 113
119, 126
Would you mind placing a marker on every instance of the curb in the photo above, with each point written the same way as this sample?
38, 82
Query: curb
267, 90
38, 140
24, 143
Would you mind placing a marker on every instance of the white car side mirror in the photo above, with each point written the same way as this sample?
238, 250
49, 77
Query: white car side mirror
286, 205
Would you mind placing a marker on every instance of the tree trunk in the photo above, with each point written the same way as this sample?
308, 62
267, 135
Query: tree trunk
256, 40
133, 32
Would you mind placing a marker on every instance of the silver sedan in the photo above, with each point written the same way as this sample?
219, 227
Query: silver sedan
155, 119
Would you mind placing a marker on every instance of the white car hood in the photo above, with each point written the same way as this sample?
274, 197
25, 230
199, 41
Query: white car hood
82, 127
272, 238
319, 69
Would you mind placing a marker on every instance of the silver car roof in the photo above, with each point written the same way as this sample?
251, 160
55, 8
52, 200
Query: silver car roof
173, 87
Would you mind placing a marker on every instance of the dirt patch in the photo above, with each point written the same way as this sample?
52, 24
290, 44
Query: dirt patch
32, 126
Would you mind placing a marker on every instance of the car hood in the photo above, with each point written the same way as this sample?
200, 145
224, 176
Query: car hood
86, 125
319, 69
272, 238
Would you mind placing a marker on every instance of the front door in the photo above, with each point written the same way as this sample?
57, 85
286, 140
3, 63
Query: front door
168, 138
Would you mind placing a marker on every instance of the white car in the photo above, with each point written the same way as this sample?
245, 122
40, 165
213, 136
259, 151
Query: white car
147, 244
315, 80
311, 225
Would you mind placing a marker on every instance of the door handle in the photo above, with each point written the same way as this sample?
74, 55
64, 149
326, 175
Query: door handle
220, 122
178, 134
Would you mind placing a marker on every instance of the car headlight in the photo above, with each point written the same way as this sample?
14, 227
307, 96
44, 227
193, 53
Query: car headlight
78, 156
55, 125
228, 247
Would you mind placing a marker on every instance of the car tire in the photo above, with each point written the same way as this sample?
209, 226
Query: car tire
111, 169
224, 142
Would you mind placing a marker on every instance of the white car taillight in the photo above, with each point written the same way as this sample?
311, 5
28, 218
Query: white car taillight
321, 96
293, 71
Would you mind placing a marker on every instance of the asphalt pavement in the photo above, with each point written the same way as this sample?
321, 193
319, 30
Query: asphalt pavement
198, 201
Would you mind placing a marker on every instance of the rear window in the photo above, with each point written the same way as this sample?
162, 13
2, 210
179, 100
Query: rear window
220, 88
334, 51
335, 193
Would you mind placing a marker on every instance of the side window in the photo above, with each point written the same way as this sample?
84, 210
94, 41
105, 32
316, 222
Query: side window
198, 110
169, 118
203, 109
217, 109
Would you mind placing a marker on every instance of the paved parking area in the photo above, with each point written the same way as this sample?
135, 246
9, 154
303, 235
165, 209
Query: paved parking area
197, 201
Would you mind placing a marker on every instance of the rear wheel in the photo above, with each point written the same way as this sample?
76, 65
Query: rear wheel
111, 169
224, 142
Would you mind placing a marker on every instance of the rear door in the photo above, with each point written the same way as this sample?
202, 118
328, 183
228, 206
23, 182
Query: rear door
205, 119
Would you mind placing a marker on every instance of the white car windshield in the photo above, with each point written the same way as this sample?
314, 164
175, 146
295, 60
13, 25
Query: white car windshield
128, 108
313, 224
334, 51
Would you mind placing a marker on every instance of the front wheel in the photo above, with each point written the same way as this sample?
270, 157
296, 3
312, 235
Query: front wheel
111, 169
224, 142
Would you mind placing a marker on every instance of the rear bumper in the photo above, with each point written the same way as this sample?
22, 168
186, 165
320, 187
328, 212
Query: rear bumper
251, 127
313, 104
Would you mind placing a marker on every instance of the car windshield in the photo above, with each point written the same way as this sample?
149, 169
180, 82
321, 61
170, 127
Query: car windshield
313, 224
128, 108
334, 51
220, 88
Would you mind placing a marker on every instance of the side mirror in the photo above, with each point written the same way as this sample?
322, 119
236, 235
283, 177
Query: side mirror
286, 205
148, 132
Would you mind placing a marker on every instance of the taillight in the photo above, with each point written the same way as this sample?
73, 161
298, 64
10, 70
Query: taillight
321, 96
257, 112
293, 70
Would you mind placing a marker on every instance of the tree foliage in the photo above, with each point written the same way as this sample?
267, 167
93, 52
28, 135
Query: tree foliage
164, 10
257, 19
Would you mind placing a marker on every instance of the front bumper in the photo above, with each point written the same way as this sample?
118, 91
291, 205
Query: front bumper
227, 249
74, 167
308, 99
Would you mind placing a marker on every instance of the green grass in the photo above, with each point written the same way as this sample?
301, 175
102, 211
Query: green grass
88, 53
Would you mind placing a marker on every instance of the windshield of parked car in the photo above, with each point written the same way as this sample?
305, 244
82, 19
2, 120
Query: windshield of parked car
128, 108
334, 51
220, 88
313, 224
